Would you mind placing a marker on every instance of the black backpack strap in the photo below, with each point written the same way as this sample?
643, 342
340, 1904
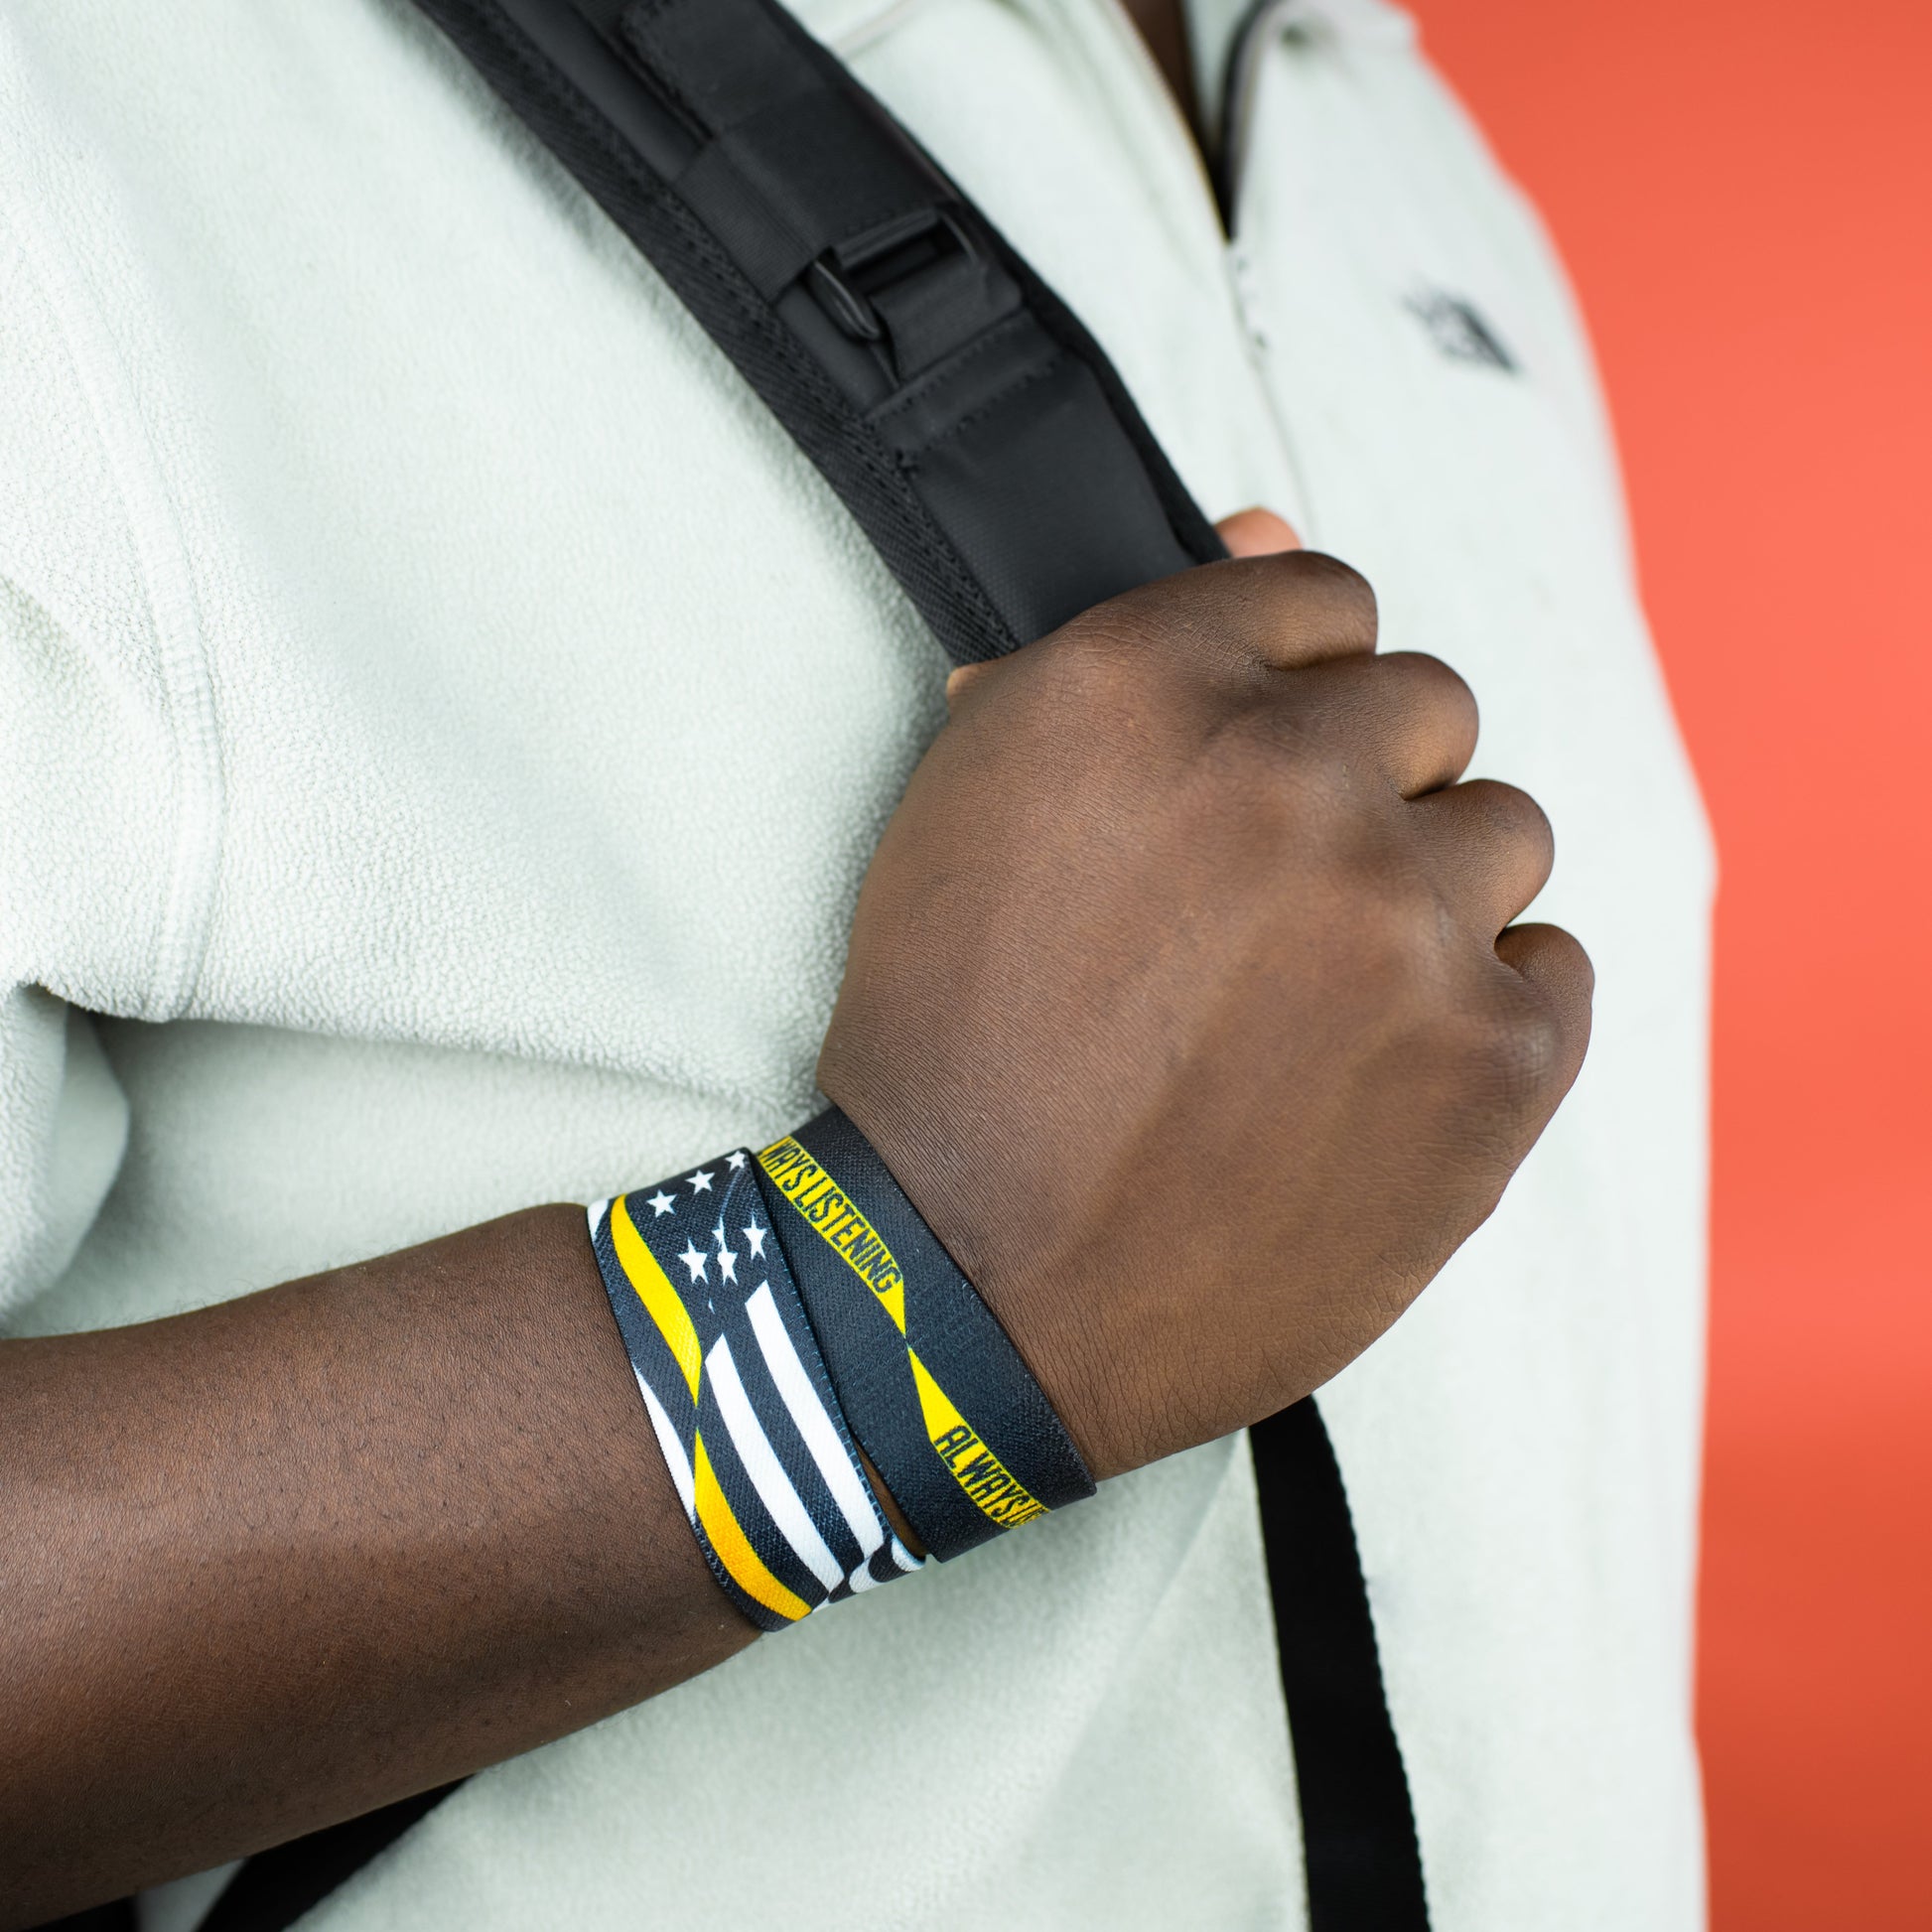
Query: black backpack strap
988, 449
1358, 1833
962, 412
273, 1892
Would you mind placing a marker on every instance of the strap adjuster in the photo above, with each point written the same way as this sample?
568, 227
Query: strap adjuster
870, 281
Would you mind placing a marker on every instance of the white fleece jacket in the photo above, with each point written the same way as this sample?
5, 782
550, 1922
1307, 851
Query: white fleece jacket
405, 616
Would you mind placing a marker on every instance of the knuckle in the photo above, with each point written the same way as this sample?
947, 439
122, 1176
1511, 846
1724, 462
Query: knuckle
1303, 606
1440, 680
1513, 816
1445, 688
1585, 966
1427, 696
1341, 583
1522, 1056
1097, 667
1524, 812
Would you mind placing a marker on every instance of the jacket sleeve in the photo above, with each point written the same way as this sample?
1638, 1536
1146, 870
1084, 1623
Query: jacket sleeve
62, 1129
76, 773
107, 821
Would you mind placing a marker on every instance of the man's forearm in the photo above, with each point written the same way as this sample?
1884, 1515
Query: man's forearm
273, 1564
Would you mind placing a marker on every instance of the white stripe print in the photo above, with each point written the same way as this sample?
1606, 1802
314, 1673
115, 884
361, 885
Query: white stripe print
904, 1561
815, 1426
671, 1446
783, 1503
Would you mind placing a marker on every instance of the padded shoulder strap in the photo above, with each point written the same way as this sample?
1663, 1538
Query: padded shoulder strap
967, 420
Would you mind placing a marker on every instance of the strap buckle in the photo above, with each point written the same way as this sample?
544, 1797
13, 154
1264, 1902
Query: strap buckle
871, 281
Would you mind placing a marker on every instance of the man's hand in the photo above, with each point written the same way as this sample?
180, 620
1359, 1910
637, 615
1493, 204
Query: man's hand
1184, 997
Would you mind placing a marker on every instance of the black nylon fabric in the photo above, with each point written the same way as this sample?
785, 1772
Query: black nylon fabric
276, 1888
703, 1294
956, 1338
990, 452
1358, 1833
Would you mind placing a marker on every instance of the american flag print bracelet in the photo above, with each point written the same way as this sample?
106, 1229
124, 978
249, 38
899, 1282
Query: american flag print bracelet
782, 1312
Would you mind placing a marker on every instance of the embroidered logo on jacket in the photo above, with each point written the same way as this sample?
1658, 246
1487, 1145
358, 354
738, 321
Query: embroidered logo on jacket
1459, 329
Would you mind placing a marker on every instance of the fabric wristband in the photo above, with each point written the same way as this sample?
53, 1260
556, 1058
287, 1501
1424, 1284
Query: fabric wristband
739, 1398
960, 1432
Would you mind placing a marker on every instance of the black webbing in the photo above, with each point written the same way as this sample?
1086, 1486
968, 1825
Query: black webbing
1358, 1834
120, 1915
276, 1888
988, 449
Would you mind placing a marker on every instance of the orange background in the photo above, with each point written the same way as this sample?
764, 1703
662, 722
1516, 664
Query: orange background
1744, 193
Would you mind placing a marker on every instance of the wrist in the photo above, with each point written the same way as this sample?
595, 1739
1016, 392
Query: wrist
937, 1394
1026, 1266
831, 1396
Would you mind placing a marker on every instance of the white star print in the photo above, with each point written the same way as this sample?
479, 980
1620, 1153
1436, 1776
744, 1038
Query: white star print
694, 1258
737, 1160
660, 1203
728, 1265
701, 1180
755, 1240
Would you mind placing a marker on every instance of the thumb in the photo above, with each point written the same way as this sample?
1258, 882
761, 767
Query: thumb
1257, 533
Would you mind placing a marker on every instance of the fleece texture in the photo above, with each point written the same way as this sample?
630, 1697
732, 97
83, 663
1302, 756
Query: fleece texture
443, 727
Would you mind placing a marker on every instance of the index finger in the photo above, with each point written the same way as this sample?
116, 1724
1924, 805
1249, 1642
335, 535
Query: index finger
1294, 608
1281, 611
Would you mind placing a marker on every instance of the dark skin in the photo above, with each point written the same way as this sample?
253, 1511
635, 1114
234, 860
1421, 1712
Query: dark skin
1164, 30
278, 1562
282, 1561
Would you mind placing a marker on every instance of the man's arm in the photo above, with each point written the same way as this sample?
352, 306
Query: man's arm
279, 1561
1177, 985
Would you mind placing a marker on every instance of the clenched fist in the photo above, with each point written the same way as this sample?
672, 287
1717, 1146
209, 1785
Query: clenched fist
1184, 998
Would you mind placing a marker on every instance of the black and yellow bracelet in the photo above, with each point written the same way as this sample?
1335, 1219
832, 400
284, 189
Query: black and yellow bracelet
738, 1395
934, 1390
779, 1313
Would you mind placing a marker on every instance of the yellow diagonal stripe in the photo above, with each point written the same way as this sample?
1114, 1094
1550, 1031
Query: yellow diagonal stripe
998, 1492
831, 1214
733, 1548
662, 1301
